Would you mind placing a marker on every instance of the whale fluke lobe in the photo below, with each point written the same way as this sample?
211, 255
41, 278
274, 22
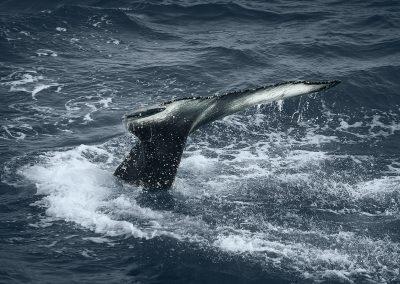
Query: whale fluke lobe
163, 130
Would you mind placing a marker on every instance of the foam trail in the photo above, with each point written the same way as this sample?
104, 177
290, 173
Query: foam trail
75, 189
78, 190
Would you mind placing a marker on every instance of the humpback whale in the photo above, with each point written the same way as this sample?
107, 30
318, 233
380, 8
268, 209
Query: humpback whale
162, 130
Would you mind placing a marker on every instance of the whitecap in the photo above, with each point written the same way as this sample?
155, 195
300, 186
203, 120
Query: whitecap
41, 87
46, 52
29, 82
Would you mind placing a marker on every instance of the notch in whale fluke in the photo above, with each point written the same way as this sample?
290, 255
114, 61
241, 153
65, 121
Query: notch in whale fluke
163, 130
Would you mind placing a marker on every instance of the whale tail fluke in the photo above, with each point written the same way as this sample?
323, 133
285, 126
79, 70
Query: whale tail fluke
163, 130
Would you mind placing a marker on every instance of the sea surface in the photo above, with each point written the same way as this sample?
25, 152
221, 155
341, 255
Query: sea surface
305, 190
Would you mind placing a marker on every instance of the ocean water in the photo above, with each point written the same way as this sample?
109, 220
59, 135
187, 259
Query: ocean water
306, 190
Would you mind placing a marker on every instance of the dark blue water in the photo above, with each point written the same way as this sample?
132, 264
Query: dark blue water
305, 190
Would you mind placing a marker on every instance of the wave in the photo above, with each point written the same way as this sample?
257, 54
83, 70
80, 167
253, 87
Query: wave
113, 18
72, 19
173, 11
377, 22
356, 51
224, 56
221, 11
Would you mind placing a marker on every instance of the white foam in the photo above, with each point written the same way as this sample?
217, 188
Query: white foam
87, 117
24, 79
15, 134
198, 163
77, 190
240, 243
98, 240
348, 255
88, 105
46, 52
25, 33
371, 127
85, 253
338, 276
74, 190
303, 256
105, 102
345, 125
114, 41
97, 22
280, 104
377, 187
40, 88
28, 81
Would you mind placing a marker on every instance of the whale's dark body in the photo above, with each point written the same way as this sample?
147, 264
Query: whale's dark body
163, 130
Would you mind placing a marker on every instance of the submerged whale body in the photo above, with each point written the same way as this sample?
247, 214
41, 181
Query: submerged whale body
163, 130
